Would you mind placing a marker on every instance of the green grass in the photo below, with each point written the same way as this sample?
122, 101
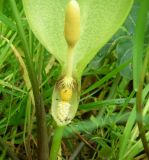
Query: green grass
105, 125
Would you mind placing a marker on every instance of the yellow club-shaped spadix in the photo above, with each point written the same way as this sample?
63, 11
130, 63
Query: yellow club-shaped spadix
72, 23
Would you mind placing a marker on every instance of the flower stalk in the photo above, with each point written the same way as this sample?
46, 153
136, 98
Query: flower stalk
66, 87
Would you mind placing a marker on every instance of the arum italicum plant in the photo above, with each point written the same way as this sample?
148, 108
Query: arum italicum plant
73, 31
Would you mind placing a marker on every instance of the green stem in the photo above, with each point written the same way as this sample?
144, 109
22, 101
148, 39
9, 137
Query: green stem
138, 47
40, 111
56, 143
69, 62
139, 71
139, 106
9, 152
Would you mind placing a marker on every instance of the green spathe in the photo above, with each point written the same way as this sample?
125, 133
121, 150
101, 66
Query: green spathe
100, 19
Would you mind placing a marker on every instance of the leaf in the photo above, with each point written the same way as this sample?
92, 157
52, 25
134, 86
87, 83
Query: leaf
99, 21
4, 19
124, 53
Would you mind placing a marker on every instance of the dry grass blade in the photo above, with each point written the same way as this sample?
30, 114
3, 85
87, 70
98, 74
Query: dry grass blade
24, 69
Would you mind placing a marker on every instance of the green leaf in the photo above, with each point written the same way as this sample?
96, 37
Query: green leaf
99, 21
124, 53
4, 19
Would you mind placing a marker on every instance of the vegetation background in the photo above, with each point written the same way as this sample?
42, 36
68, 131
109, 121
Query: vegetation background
105, 125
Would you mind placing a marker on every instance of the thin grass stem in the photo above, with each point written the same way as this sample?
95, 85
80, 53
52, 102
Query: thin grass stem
139, 42
139, 69
139, 106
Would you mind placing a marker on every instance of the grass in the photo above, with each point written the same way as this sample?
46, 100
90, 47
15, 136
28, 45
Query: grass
105, 125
